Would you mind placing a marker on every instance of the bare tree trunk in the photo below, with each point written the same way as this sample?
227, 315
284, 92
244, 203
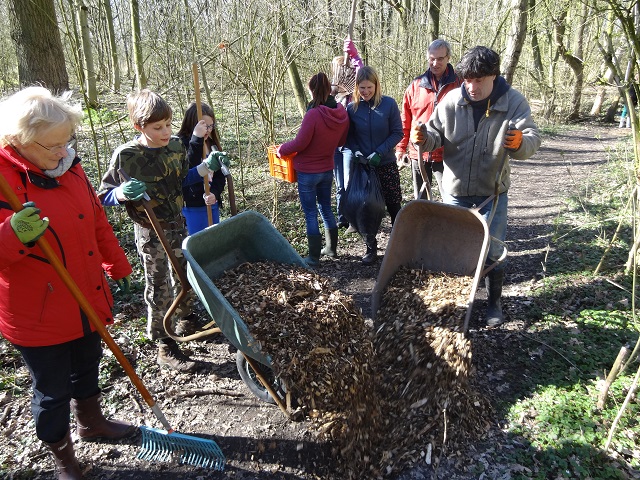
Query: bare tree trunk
574, 62
115, 64
36, 39
90, 75
434, 18
516, 37
141, 78
292, 68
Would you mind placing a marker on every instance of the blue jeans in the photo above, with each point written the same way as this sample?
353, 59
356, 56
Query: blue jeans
342, 167
498, 226
312, 188
58, 374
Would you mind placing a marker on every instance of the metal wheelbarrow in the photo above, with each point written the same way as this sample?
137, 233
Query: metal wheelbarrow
246, 237
437, 237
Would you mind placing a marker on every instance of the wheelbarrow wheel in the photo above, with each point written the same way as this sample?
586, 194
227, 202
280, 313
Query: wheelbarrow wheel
249, 377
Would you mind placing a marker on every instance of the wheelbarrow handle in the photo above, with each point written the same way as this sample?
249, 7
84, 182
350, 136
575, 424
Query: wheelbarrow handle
86, 307
175, 263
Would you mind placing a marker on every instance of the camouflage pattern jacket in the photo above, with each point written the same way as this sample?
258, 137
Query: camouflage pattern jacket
164, 170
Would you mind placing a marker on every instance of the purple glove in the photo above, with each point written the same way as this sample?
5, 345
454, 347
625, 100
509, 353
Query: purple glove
350, 48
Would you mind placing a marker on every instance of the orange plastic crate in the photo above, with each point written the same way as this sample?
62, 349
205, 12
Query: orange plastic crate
281, 168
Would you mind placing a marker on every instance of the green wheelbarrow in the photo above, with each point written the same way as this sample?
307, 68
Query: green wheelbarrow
246, 237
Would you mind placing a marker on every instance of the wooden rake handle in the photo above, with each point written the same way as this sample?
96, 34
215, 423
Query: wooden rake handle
86, 307
205, 180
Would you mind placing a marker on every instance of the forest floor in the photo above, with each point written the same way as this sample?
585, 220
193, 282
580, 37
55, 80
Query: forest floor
259, 442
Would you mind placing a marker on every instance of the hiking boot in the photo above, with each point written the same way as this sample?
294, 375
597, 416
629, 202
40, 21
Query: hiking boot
170, 355
187, 326
351, 229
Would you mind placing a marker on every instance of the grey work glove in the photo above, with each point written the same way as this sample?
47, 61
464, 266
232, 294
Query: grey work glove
27, 224
131, 190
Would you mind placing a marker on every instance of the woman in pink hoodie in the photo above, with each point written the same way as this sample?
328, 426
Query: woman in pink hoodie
324, 128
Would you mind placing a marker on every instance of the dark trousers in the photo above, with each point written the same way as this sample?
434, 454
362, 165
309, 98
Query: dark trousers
58, 374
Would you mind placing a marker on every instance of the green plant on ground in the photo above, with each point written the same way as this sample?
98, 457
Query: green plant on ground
584, 320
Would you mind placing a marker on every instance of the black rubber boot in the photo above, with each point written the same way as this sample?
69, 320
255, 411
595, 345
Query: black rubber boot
65, 459
493, 282
331, 242
372, 250
393, 210
92, 425
315, 245
170, 355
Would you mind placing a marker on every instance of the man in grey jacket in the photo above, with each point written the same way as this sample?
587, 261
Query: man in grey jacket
480, 125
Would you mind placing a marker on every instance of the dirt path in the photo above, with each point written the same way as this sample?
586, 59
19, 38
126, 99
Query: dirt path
257, 439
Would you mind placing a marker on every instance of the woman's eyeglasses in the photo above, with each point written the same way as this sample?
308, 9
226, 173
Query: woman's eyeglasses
59, 148
210, 127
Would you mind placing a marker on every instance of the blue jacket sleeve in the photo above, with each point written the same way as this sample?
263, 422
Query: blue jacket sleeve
396, 133
109, 198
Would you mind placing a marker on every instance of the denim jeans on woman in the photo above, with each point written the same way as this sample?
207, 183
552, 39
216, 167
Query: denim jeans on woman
314, 190
497, 227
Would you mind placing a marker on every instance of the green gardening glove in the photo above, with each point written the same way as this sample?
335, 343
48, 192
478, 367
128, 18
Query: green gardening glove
27, 224
132, 189
374, 159
214, 160
124, 285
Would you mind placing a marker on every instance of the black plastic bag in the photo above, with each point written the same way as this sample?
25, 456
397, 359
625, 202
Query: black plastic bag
362, 203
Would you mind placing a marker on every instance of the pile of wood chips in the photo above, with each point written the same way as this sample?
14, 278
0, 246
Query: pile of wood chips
387, 397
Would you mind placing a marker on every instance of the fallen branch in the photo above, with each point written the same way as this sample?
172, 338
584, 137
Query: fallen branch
199, 392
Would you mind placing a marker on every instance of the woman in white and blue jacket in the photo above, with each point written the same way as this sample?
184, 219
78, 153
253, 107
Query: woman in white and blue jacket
374, 130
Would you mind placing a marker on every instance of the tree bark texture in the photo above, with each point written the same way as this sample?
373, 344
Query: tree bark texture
516, 39
115, 65
36, 38
141, 78
90, 73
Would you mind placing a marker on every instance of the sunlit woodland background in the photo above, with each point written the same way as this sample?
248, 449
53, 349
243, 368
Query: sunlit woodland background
255, 56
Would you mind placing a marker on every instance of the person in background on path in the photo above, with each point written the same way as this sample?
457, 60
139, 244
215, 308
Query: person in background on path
158, 166
480, 125
625, 118
324, 128
38, 313
418, 103
343, 85
375, 128
194, 135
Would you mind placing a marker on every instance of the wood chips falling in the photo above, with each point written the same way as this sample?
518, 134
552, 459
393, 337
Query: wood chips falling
386, 396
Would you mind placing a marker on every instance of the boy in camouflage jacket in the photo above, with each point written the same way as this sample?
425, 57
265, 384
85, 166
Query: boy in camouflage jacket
158, 166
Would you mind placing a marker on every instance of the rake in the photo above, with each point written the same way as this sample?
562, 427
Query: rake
156, 444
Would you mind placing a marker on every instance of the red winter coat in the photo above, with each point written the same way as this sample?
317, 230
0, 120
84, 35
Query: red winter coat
36, 308
419, 102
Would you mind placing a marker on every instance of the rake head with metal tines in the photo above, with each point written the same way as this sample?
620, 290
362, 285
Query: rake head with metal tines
159, 445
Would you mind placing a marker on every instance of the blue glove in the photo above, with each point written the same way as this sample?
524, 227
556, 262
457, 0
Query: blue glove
132, 190
124, 285
27, 224
374, 159
215, 159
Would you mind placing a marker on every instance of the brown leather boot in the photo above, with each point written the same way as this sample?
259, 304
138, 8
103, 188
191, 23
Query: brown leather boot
91, 424
65, 459
170, 355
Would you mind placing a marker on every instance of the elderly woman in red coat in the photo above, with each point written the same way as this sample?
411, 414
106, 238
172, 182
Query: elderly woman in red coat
38, 314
